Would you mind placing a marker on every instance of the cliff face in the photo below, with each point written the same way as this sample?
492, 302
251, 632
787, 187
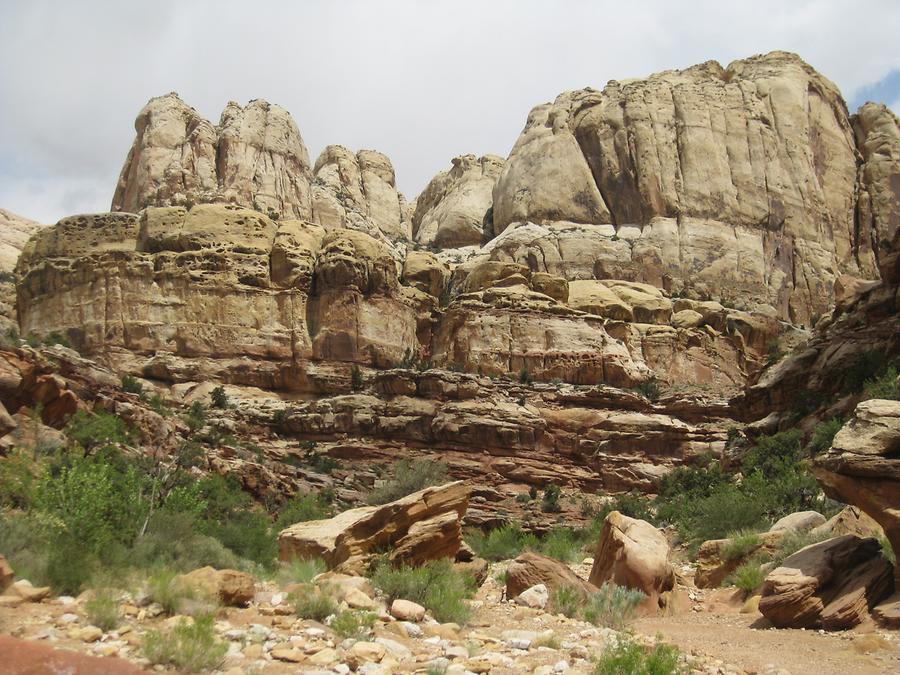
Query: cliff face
14, 233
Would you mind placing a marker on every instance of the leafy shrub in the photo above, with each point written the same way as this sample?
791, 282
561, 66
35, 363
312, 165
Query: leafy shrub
192, 647
868, 366
172, 540
354, 624
627, 657
163, 587
356, 380
550, 502
612, 606
525, 376
749, 576
566, 600
195, 418
95, 431
25, 546
314, 603
102, 609
301, 571
885, 385
740, 544
634, 505
300, 508
501, 543
562, 544
18, 480
435, 585
823, 435
131, 385
408, 477
158, 405
649, 389
218, 397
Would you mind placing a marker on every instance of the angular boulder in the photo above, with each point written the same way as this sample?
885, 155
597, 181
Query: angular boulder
423, 526
801, 521
832, 584
233, 588
634, 554
862, 467
532, 569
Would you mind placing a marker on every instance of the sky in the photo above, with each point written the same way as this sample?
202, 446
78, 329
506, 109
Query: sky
420, 81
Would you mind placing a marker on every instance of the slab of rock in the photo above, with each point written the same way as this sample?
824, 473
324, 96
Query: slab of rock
887, 612
634, 554
832, 584
850, 520
230, 586
426, 525
801, 521
531, 569
862, 467
27, 656
535, 597
23, 589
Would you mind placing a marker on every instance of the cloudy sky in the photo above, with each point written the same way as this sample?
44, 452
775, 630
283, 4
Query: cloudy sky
421, 81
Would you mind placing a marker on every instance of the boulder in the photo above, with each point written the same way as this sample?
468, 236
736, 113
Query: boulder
405, 610
536, 597
425, 525
634, 554
862, 466
801, 521
233, 588
23, 589
14, 232
832, 584
531, 569
850, 520
6, 574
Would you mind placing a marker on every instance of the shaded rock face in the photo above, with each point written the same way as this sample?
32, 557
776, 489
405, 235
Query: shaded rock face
254, 158
862, 467
452, 211
750, 170
832, 584
423, 526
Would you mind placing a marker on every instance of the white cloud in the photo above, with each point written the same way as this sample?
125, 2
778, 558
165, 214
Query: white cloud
421, 81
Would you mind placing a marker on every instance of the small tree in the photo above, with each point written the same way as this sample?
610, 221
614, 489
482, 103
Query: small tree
219, 397
356, 381
550, 503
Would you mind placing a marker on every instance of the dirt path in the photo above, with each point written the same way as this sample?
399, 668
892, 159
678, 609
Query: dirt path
731, 638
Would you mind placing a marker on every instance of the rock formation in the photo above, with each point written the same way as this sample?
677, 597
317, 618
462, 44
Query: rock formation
530, 569
14, 233
454, 209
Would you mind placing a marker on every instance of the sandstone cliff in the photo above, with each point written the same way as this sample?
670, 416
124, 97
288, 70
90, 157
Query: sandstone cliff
14, 233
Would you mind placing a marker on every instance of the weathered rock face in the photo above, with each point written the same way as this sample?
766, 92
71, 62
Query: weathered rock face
832, 584
452, 211
751, 170
425, 525
14, 233
634, 554
359, 192
862, 466
254, 158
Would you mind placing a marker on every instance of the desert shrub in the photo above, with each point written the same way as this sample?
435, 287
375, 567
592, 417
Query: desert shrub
218, 397
18, 479
501, 543
634, 505
525, 376
550, 501
354, 624
300, 508
887, 551
435, 585
191, 647
102, 609
749, 576
562, 544
95, 431
158, 405
823, 435
356, 379
865, 367
649, 389
407, 477
25, 546
523, 498
884, 385
132, 385
566, 600
163, 587
548, 641
173, 540
314, 603
627, 657
300, 571
612, 606
195, 418
740, 544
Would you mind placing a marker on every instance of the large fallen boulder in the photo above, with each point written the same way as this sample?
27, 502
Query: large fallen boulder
862, 467
229, 586
531, 569
425, 525
832, 584
634, 554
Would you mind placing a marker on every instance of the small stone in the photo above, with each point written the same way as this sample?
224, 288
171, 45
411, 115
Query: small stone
406, 610
323, 657
394, 648
288, 654
90, 634
368, 651
535, 597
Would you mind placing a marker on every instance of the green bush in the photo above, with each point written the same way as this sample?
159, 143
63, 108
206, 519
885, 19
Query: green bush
407, 477
885, 385
435, 585
650, 389
562, 544
300, 571
502, 543
354, 624
25, 546
18, 479
865, 367
191, 647
612, 606
550, 502
566, 600
163, 587
887, 551
195, 418
102, 609
172, 540
627, 657
356, 379
314, 603
131, 385
634, 505
525, 376
300, 508
740, 544
218, 397
823, 435
95, 431
749, 576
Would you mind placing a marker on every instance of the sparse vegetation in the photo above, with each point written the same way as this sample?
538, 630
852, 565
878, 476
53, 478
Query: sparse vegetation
740, 544
823, 435
435, 585
525, 376
562, 544
303, 507
749, 576
190, 646
628, 657
356, 380
612, 606
407, 477
550, 502
315, 603
794, 541
501, 543
566, 600
649, 389
132, 385
102, 609
887, 551
300, 571
354, 624
884, 385
218, 397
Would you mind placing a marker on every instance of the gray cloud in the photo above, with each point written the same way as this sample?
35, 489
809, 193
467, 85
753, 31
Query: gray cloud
421, 81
